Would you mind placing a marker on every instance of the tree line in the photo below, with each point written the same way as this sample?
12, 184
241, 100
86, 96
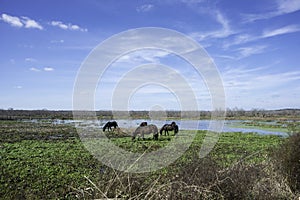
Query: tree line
234, 113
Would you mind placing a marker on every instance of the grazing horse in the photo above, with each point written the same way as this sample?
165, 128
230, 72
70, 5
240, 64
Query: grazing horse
142, 130
169, 127
108, 126
143, 124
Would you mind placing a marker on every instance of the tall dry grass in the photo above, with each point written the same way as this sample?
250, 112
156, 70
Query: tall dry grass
278, 177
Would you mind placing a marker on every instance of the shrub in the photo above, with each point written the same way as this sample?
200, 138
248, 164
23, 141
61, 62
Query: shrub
287, 159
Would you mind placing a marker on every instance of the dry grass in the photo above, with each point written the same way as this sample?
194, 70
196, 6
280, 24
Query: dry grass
287, 159
277, 177
201, 179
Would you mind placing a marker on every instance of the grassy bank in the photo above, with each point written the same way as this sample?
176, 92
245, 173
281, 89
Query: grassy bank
49, 161
285, 126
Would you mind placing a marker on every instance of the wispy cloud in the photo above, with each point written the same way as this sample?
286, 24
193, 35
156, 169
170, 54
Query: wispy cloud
281, 31
145, 56
259, 87
29, 23
145, 8
69, 26
267, 33
18, 87
20, 22
34, 69
256, 78
57, 41
30, 60
223, 32
281, 7
46, 69
251, 50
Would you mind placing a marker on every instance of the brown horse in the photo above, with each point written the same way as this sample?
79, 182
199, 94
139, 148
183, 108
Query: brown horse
169, 127
142, 130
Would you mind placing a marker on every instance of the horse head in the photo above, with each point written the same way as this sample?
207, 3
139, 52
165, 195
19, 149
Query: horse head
143, 124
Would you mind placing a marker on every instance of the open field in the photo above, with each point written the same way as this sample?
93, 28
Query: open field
43, 160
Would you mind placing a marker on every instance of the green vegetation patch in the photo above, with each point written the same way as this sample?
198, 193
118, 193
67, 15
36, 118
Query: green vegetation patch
275, 126
50, 162
32, 168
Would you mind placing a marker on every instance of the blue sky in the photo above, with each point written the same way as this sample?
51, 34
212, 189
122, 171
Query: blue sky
255, 45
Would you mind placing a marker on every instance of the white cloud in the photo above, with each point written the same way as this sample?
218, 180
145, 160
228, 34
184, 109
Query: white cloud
142, 56
18, 87
30, 60
245, 38
57, 41
256, 78
59, 24
144, 8
223, 32
257, 86
69, 26
29, 23
34, 69
25, 22
281, 7
48, 69
281, 31
13, 21
251, 50
288, 6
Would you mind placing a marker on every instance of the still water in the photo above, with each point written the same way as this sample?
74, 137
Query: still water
229, 125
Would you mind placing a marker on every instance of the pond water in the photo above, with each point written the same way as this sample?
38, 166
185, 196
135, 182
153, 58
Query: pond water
229, 125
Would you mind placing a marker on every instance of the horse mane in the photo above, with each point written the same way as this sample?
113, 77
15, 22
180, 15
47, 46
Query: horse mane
144, 124
114, 123
162, 128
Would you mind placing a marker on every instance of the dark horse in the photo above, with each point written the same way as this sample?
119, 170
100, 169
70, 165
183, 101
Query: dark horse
108, 126
142, 130
169, 127
144, 124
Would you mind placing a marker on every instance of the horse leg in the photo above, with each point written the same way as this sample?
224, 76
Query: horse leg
155, 136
